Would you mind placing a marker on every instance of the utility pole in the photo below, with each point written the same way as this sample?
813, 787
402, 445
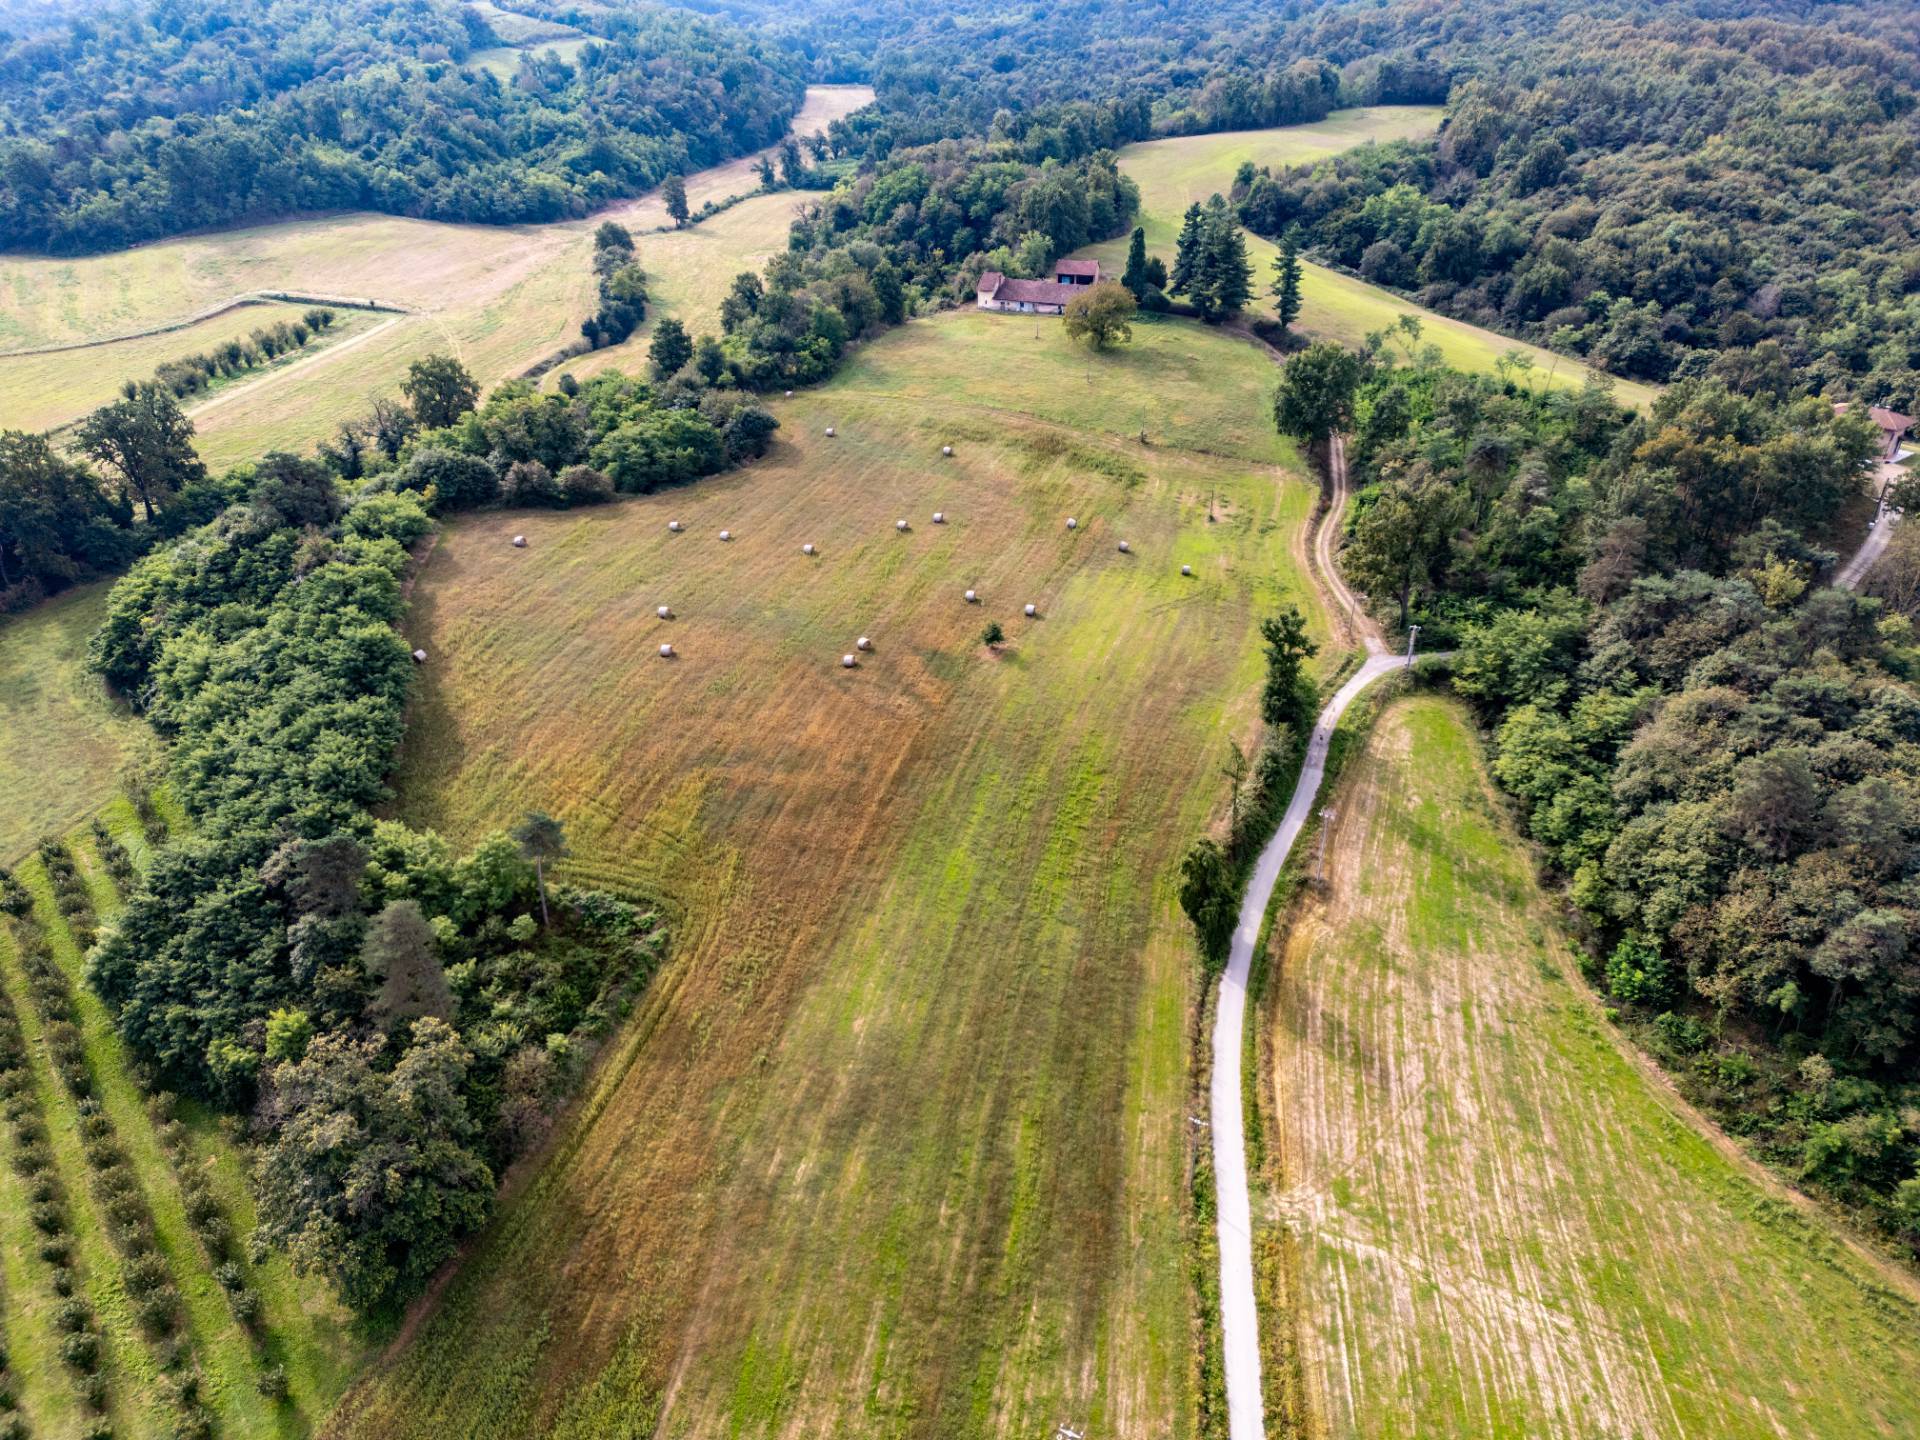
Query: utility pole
1413, 633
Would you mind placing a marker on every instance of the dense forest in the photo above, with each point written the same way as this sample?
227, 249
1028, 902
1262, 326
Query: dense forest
1714, 750
1667, 199
146, 119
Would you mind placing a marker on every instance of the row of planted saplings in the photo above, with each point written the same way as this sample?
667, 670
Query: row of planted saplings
216, 1237
114, 858
47, 1208
70, 893
149, 1280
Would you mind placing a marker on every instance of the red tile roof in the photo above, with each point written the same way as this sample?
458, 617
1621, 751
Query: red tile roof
1077, 267
1036, 292
1892, 421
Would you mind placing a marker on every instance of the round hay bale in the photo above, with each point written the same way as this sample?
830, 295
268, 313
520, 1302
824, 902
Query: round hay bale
789, 394
972, 598
847, 661
419, 657
666, 652
939, 517
1032, 610
1072, 524
1125, 549
665, 612
806, 549
1186, 569
946, 449
900, 525
726, 534
674, 526
863, 643
519, 542
829, 432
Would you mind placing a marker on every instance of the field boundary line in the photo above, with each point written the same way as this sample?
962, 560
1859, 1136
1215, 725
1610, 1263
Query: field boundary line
232, 302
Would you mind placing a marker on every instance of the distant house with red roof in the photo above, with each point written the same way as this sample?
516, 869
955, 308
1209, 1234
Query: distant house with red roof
1893, 426
1037, 297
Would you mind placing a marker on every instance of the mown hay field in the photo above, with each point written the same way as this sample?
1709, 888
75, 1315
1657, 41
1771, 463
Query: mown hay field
896, 1145
1501, 1224
1173, 174
501, 298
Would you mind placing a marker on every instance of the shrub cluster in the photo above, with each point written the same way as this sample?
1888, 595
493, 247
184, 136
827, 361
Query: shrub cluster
622, 285
191, 374
114, 856
69, 890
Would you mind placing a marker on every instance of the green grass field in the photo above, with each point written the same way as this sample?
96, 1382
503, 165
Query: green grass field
504, 60
1505, 1226
896, 1145
63, 739
499, 297
301, 1329
1173, 174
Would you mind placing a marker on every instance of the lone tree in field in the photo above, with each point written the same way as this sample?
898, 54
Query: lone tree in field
1316, 393
673, 190
145, 440
1286, 278
541, 839
993, 636
439, 391
1102, 315
670, 348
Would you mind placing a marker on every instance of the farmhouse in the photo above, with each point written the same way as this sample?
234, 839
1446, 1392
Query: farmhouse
1037, 297
1893, 427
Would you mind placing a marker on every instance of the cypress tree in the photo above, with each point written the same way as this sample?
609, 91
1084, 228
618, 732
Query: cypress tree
1135, 278
1186, 252
1286, 278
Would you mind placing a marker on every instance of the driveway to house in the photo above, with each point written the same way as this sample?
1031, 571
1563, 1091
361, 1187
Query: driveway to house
1878, 534
1239, 1317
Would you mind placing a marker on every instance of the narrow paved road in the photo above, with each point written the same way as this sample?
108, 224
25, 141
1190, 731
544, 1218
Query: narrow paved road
1239, 1316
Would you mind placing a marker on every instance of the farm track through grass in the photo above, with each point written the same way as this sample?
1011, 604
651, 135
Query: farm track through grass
1173, 174
1503, 1227
897, 1144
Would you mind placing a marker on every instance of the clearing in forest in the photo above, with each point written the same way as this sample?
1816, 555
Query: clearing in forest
500, 297
1173, 174
1501, 1225
896, 1144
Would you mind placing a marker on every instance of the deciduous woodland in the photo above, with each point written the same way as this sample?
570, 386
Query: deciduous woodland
777, 769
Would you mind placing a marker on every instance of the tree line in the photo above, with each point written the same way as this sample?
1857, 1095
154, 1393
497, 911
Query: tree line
148, 118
